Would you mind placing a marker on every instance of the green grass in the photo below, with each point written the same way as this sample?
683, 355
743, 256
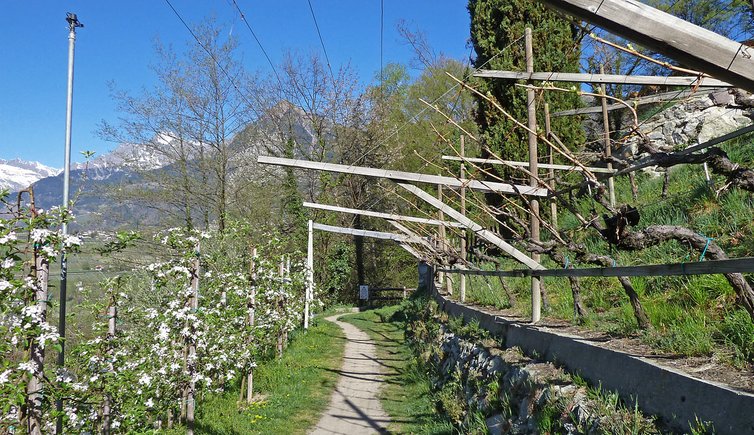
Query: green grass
695, 315
406, 396
296, 389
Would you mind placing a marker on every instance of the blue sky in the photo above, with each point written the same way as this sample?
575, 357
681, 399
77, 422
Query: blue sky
117, 44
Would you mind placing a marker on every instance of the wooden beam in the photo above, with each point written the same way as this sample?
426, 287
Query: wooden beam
364, 233
635, 102
689, 44
390, 216
525, 164
484, 186
736, 265
473, 226
604, 78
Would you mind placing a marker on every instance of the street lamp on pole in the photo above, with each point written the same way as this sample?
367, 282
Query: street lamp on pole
73, 23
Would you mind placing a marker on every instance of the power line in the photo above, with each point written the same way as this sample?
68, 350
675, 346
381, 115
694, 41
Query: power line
321, 41
211, 55
259, 43
382, 31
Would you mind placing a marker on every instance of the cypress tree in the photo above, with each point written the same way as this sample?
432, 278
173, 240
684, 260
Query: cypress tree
496, 26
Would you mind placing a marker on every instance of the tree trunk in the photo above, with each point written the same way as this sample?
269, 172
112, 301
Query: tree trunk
659, 233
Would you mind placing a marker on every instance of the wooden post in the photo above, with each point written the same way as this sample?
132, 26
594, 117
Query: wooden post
281, 307
34, 396
551, 171
606, 139
112, 314
536, 299
191, 361
309, 295
462, 280
251, 306
443, 248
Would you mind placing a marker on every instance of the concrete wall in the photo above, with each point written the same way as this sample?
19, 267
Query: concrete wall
674, 396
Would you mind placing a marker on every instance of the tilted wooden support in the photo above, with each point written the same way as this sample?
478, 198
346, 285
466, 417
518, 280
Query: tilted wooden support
689, 44
390, 216
483, 186
604, 78
737, 265
473, 226
400, 238
526, 164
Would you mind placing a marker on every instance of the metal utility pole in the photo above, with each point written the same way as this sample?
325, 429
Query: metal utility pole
73, 23
536, 298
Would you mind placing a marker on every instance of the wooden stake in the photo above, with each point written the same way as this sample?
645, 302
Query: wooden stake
112, 313
281, 307
443, 246
606, 139
308, 295
462, 281
536, 298
34, 396
191, 361
551, 171
252, 312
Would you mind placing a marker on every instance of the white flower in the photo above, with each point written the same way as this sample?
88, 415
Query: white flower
28, 366
4, 285
8, 263
4, 376
7, 238
40, 235
145, 379
71, 241
149, 403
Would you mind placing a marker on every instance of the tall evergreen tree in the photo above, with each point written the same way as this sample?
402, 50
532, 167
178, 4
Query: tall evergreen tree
496, 26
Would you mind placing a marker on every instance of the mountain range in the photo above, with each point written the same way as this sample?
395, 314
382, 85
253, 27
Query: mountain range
93, 182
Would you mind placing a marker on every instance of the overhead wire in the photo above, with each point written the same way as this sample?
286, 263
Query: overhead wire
259, 43
321, 40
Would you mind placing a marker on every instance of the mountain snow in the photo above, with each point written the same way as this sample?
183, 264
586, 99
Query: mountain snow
19, 174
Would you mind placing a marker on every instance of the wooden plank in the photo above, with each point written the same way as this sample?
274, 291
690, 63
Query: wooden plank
635, 102
485, 186
689, 44
390, 216
364, 233
525, 164
604, 78
473, 226
737, 265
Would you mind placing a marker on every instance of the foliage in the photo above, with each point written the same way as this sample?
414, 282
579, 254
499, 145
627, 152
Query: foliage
497, 28
131, 371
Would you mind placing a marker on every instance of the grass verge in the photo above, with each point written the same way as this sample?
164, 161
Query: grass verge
296, 389
406, 396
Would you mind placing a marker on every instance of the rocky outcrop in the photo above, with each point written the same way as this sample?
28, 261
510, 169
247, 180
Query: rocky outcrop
517, 394
674, 126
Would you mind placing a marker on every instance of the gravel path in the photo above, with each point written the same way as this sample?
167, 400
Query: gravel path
354, 406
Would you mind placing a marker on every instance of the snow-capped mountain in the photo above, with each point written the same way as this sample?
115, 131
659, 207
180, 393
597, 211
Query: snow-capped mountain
123, 157
19, 174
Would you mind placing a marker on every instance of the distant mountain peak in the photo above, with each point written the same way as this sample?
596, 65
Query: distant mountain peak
18, 174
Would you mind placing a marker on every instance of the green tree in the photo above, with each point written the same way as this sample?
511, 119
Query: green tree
496, 26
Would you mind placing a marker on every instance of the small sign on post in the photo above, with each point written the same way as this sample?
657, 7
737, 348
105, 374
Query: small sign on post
363, 292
